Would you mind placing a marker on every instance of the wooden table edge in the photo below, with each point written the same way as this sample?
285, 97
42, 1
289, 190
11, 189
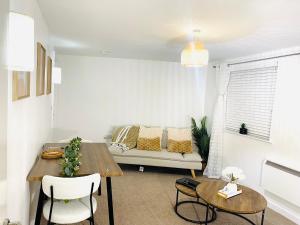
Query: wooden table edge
39, 156
233, 211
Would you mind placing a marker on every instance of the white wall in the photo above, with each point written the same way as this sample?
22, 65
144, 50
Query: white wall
29, 126
210, 95
4, 7
249, 154
99, 93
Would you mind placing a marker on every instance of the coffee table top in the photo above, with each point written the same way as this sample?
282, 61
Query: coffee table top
248, 202
186, 190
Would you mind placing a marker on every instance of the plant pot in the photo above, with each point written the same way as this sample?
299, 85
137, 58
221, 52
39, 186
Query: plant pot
204, 164
244, 131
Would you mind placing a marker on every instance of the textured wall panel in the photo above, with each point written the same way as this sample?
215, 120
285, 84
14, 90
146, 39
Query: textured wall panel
99, 93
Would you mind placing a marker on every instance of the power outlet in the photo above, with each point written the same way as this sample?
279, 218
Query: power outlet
141, 169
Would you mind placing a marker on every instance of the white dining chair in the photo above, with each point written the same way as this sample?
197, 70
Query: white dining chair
71, 198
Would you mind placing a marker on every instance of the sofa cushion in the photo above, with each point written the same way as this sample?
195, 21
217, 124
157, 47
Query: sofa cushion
149, 138
115, 150
126, 135
180, 140
163, 154
150, 144
192, 157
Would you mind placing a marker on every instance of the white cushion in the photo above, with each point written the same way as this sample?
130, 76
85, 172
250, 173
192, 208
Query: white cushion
150, 132
72, 212
180, 134
192, 157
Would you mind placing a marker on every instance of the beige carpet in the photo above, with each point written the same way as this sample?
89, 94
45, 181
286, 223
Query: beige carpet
148, 198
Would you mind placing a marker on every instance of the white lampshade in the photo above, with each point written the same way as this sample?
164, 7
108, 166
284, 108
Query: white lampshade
56, 75
20, 42
194, 55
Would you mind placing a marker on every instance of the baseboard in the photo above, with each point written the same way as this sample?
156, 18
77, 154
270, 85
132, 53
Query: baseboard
283, 211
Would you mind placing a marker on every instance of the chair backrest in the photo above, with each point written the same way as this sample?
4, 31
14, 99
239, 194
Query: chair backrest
70, 187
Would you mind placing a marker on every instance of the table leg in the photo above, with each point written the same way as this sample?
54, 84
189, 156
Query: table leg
176, 204
206, 217
99, 189
39, 208
262, 217
110, 201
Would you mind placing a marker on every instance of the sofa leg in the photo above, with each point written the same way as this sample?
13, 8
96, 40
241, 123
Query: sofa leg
193, 173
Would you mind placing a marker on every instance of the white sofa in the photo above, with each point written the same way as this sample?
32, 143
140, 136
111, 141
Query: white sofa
163, 158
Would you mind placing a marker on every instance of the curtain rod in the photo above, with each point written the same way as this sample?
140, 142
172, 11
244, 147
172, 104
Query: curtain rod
257, 60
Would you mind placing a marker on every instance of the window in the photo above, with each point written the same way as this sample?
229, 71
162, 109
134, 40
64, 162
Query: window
250, 98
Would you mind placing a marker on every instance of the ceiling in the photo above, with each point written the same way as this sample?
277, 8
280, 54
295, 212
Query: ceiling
159, 29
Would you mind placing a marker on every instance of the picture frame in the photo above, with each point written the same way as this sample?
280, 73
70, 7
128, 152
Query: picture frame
49, 75
21, 85
40, 70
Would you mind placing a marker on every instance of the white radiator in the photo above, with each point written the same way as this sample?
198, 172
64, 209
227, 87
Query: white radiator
282, 180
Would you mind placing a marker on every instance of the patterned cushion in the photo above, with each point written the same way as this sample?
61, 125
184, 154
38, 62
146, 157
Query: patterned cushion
149, 138
129, 138
180, 140
151, 144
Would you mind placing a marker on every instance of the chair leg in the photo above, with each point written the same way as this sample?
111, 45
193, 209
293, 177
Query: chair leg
193, 173
92, 220
99, 189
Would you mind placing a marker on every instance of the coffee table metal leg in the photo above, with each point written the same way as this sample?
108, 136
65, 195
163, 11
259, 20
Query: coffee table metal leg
262, 217
206, 217
176, 201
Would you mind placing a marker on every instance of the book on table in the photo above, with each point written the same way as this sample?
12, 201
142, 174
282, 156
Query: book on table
228, 193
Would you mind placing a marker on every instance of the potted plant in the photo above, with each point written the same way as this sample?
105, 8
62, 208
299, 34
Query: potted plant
201, 139
70, 161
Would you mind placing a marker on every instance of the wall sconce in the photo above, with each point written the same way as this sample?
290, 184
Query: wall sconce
56, 75
20, 42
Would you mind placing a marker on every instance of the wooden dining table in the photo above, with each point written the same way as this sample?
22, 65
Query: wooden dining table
95, 158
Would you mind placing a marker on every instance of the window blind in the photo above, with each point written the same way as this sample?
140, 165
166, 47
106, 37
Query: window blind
250, 98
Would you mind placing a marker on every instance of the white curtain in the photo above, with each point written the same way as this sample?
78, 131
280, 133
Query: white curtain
215, 159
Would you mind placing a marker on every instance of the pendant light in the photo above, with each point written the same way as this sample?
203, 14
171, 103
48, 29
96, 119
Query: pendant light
194, 54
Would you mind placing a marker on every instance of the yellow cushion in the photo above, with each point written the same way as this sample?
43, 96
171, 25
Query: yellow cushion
180, 146
150, 144
131, 138
149, 138
180, 140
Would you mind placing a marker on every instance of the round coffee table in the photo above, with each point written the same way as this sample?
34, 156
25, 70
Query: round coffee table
248, 202
192, 193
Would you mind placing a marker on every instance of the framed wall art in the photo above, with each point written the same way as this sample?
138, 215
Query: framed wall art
40, 69
21, 85
49, 75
